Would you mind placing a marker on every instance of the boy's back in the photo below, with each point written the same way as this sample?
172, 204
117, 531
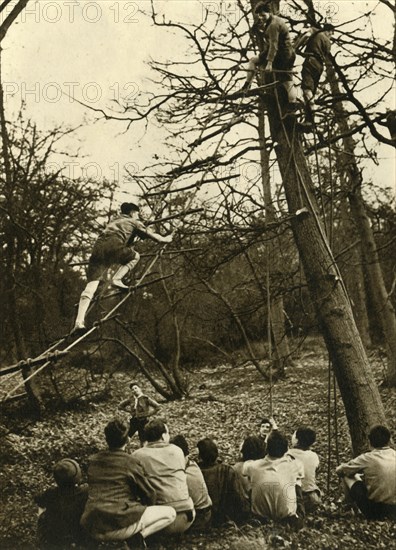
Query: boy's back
310, 461
59, 524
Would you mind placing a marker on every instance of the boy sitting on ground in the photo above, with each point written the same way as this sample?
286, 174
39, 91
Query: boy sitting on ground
224, 485
375, 495
276, 484
266, 427
164, 466
302, 439
122, 502
61, 508
196, 488
253, 448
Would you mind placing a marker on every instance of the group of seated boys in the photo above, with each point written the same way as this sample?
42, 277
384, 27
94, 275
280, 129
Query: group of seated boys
159, 488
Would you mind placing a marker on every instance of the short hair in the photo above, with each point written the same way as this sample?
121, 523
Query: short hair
180, 441
277, 445
253, 448
265, 421
133, 384
379, 436
154, 429
116, 434
328, 27
263, 7
128, 207
305, 436
208, 451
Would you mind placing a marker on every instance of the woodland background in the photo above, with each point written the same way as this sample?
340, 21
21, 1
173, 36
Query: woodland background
239, 286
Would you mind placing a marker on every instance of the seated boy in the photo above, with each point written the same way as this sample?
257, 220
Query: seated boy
267, 426
302, 440
196, 488
122, 502
62, 507
375, 495
165, 467
276, 483
224, 485
252, 448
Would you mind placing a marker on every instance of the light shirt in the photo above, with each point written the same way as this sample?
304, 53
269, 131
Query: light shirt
274, 483
310, 461
379, 469
164, 465
197, 488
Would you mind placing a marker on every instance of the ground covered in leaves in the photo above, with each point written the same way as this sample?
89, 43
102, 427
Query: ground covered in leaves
225, 403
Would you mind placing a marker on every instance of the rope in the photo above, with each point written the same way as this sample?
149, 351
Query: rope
269, 335
329, 371
108, 316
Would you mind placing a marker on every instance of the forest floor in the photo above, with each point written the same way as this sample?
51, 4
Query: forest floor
226, 404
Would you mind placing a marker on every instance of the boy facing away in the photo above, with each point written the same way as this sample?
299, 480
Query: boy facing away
61, 508
302, 440
114, 246
370, 478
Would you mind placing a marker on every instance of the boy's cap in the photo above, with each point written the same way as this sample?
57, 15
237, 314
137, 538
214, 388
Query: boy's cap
67, 472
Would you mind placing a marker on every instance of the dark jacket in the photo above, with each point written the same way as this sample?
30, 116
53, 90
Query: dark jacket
118, 492
226, 491
59, 524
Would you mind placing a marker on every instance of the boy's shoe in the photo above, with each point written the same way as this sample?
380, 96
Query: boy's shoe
78, 329
136, 542
117, 283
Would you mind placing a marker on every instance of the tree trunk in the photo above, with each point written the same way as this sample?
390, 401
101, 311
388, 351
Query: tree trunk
384, 310
352, 272
355, 380
357, 386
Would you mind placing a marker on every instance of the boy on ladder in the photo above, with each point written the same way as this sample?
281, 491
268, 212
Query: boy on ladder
114, 246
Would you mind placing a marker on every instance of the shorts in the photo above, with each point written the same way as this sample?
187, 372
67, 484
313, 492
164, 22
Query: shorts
283, 62
105, 253
137, 425
311, 72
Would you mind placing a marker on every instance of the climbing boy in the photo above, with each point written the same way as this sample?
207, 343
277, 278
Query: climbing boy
278, 53
316, 52
302, 440
114, 246
141, 407
61, 508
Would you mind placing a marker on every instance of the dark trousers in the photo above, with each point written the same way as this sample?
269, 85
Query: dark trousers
137, 425
369, 508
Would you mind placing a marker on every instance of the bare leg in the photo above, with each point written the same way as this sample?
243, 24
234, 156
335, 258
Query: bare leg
291, 91
251, 69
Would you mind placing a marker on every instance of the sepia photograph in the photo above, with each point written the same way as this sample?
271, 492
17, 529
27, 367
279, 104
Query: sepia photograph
198, 274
